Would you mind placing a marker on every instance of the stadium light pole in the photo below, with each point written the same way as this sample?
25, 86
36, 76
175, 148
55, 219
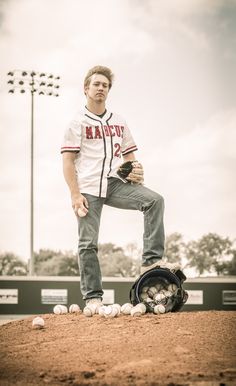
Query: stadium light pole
42, 84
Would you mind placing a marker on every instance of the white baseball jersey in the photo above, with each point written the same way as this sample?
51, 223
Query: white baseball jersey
100, 143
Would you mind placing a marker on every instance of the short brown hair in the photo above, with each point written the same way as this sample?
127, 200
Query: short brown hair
99, 70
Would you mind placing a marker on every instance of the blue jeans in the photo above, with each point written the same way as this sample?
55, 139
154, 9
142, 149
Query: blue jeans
125, 196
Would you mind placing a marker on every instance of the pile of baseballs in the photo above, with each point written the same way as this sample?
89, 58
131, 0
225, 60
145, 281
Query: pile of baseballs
157, 295
114, 310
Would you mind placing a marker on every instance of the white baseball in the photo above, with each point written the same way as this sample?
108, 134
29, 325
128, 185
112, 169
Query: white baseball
64, 309
159, 286
144, 296
38, 322
167, 293
136, 311
149, 300
152, 291
110, 312
60, 309
145, 289
142, 307
126, 308
101, 310
81, 212
159, 297
118, 307
90, 310
172, 287
159, 309
74, 308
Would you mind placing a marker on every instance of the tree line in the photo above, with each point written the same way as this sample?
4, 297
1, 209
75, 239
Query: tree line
211, 253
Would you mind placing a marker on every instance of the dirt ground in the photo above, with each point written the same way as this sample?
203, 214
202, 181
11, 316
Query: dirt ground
184, 348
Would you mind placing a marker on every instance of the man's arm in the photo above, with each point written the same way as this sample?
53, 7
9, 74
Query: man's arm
69, 171
129, 157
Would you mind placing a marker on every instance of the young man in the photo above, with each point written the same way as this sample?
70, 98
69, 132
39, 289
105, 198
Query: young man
96, 143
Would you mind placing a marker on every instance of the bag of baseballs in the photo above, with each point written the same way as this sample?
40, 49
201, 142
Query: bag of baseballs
160, 286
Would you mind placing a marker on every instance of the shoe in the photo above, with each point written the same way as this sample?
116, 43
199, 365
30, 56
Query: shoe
96, 301
161, 264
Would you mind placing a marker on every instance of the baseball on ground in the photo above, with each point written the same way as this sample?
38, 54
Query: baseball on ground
159, 309
126, 308
38, 322
110, 312
90, 310
60, 309
136, 311
142, 307
74, 308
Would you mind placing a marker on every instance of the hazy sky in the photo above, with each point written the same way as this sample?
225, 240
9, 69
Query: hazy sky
175, 84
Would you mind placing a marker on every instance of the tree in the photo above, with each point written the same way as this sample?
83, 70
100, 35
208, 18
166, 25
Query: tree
175, 248
114, 262
11, 264
52, 263
211, 251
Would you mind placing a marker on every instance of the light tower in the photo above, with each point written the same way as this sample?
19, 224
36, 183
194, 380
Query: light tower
40, 83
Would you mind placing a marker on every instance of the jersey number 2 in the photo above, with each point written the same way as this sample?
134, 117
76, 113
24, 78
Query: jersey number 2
117, 150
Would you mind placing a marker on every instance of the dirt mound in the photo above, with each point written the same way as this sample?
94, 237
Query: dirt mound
185, 348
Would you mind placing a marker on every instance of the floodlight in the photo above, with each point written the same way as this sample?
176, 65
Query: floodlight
10, 73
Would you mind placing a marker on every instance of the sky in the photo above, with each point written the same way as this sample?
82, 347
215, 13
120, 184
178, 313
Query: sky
175, 84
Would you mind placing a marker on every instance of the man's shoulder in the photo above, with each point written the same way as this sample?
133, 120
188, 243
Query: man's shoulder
118, 118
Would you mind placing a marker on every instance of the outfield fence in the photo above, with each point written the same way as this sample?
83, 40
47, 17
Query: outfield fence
38, 294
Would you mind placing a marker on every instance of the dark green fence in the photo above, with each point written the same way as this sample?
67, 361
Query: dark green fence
34, 295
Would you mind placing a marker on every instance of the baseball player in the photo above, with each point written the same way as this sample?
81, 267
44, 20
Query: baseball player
96, 145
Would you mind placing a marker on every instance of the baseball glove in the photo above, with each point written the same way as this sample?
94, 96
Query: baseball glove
160, 286
131, 171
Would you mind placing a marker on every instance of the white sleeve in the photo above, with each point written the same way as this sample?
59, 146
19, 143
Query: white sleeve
128, 145
72, 138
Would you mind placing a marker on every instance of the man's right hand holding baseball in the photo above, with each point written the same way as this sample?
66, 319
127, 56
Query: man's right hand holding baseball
79, 202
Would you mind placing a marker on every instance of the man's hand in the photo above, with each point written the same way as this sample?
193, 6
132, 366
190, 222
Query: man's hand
79, 202
136, 175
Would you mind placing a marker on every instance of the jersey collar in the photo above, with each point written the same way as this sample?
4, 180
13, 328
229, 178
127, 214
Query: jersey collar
89, 114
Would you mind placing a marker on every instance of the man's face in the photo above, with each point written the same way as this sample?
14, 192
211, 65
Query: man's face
98, 88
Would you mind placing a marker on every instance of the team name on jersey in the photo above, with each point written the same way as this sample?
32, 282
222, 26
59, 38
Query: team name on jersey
96, 132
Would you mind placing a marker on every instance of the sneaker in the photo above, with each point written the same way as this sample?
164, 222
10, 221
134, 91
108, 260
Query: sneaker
161, 264
96, 301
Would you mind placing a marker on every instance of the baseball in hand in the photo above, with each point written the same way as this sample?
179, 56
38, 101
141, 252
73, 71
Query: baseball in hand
81, 213
38, 322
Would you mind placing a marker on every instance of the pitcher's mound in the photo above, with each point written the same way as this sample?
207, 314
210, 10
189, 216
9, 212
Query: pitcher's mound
174, 349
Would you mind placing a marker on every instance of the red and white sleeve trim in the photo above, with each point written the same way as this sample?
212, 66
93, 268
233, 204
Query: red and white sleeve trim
74, 149
129, 150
